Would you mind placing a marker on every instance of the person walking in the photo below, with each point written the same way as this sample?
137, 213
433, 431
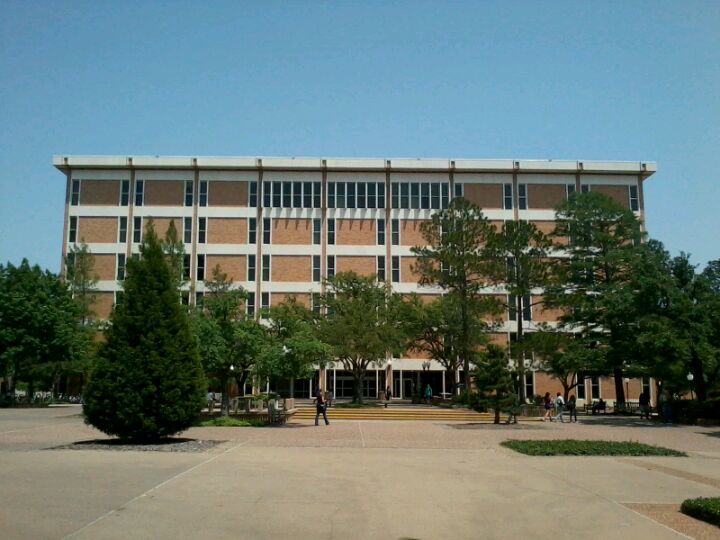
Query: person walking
559, 408
572, 408
320, 406
548, 404
428, 394
330, 397
388, 395
644, 402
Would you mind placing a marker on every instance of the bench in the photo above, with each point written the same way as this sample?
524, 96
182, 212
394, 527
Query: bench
597, 406
279, 414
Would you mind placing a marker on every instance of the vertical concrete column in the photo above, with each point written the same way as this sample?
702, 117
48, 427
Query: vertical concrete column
515, 197
66, 223
258, 239
194, 233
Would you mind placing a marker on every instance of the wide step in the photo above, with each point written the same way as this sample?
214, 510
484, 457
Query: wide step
392, 413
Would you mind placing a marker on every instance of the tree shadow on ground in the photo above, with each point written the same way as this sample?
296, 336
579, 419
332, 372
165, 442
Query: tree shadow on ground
715, 434
625, 421
169, 444
486, 425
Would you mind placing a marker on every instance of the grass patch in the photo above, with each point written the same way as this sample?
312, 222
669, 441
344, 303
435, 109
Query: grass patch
229, 421
571, 447
704, 508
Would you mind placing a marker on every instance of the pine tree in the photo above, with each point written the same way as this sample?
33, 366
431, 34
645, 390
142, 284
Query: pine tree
147, 382
493, 380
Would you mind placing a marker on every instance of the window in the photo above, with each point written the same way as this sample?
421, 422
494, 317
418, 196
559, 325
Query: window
75, 195
317, 191
395, 233
415, 195
569, 190
340, 195
202, 230
137, 229
307, 195
331, 195
265, 304
645, 385
634, 201
316, 268
186, 267
124, 192
187, 230
444, 189
199, 299
530, 384
266, 230
395, 269
119, 297
381, 268
435, 196
267, 194
350, 195
380, 225
122, 229
139, 192
459, 189
330, 266
188, 193
381, 195
297, 196
330, 231
72, 234
317, 227
395, 195
316, 300
252, 197
266, 267
404, 195
522, 196
507, 197
580, 388
120, 275
185, 298
512, 308
361, 195
276, 194
585, 188
286, 194
251, 268
200, 267
252, 230
595, 386
250, 304
203, 199
372, 195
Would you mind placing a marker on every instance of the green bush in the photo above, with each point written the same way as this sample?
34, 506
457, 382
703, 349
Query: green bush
704, 508
147, 382
229, 421
571, 447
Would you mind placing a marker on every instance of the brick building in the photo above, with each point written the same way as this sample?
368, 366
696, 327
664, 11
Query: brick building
277, 226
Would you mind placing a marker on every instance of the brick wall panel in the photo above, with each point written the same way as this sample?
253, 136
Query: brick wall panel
485, 195
103, 305
619, 193
546, 196
105, 267
364, 266
162, 224
233, 265
227, 231
355, 232
100, 192
164, 193
227, 193
279, 298
410, 234
292, 231
291, 268
97, 229
542, 314
406, 273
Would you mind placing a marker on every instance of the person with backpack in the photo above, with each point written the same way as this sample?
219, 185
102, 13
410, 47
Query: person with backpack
388, 395
572, 408
320, 406
548, 404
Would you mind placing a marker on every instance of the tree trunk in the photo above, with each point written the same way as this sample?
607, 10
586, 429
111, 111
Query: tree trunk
619, 390
497, 413
357, 388
450, 377
520, 356
225, 404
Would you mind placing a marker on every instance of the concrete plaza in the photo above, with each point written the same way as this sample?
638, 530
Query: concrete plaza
351, 480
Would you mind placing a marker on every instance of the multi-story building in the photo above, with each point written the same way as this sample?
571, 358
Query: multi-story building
278, 226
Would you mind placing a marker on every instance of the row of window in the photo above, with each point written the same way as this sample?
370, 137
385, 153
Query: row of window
405, 195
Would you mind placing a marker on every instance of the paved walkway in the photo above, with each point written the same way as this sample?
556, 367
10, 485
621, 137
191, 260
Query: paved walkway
350, 480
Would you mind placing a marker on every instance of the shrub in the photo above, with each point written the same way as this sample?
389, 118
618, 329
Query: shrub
229, 421
147, 382
571, 447
704, 508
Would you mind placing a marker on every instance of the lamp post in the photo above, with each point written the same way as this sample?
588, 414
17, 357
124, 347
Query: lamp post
627, 388
425, 367
690, 378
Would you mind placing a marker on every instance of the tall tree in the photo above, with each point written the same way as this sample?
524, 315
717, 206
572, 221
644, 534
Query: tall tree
592, 280
493, 380
174, 250
229, 341
147, 382
39, 334
81, 278
519, 261
455, 260
362, 325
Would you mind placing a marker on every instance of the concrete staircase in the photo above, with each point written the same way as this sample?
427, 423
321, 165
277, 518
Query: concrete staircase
395, 413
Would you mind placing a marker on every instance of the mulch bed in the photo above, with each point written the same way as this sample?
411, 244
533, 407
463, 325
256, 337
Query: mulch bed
122, 445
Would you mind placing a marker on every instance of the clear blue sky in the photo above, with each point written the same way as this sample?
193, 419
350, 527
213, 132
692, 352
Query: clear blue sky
614, 80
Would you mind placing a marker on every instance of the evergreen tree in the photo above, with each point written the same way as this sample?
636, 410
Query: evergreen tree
147, 382
494, 381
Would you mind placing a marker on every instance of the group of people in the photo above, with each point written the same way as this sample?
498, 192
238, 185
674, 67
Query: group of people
559, 406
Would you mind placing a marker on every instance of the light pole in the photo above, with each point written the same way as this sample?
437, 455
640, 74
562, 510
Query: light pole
627, 389
425, 367
690, 378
